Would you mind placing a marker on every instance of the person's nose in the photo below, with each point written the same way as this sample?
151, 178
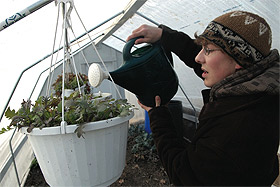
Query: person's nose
200, 57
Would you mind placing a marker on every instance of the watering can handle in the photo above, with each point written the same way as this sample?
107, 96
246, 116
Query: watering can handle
127, 47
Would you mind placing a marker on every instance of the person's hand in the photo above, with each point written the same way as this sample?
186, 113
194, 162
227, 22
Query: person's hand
157, 100
151, 34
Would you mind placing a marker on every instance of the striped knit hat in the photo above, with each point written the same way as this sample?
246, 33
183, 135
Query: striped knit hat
244, 36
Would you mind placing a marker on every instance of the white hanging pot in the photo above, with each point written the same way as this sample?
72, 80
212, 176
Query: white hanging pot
102, 96
82, 89
98, 159
68, 92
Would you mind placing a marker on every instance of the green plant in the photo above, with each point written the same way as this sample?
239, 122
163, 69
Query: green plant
3, 130
79, 109
143, 145
34, 164
71, 82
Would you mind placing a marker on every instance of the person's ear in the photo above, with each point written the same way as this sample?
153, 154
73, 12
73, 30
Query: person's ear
237, 66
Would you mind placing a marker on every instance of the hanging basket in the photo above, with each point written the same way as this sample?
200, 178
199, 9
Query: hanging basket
102, 96
98, 159
68, 92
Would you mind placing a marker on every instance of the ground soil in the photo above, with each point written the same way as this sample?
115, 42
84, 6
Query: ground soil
143, 168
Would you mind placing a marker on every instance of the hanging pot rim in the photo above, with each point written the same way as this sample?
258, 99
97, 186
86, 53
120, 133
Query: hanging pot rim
90, 126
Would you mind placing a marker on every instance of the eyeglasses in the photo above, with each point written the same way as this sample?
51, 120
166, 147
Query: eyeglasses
207, 51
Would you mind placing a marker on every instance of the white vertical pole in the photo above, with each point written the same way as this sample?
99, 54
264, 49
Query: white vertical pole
66, 58
63, 122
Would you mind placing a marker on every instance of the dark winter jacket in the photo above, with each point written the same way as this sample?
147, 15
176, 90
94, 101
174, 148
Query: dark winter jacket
237, 138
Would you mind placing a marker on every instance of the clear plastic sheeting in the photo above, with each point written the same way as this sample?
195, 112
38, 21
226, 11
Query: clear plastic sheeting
194, 16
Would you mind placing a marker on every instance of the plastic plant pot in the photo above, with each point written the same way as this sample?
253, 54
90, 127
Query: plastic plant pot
98, 159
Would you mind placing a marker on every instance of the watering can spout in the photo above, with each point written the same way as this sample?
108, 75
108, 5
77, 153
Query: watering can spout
146, 72
96, 75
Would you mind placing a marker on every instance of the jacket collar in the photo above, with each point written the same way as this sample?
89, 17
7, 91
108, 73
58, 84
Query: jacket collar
225, 105
205, 95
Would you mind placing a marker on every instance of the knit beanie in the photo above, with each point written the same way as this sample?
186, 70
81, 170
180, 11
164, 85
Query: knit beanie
244, 36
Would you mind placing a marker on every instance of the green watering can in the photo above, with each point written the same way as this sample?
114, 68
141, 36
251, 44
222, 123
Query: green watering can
146, 72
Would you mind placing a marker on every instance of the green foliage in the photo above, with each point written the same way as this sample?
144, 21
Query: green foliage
34, 164
3, 130
143, 144
9, 114
79, 109
71, 83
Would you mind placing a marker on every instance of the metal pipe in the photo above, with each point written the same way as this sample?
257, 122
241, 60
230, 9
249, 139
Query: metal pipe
25, 12
12, 93
119, 38
99, 25
122, 40
13, 157
145, 17
195, 118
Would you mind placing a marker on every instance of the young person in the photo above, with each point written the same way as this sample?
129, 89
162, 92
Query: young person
237, 138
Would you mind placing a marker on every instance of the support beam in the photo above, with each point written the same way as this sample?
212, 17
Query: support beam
130, 10
25, 12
